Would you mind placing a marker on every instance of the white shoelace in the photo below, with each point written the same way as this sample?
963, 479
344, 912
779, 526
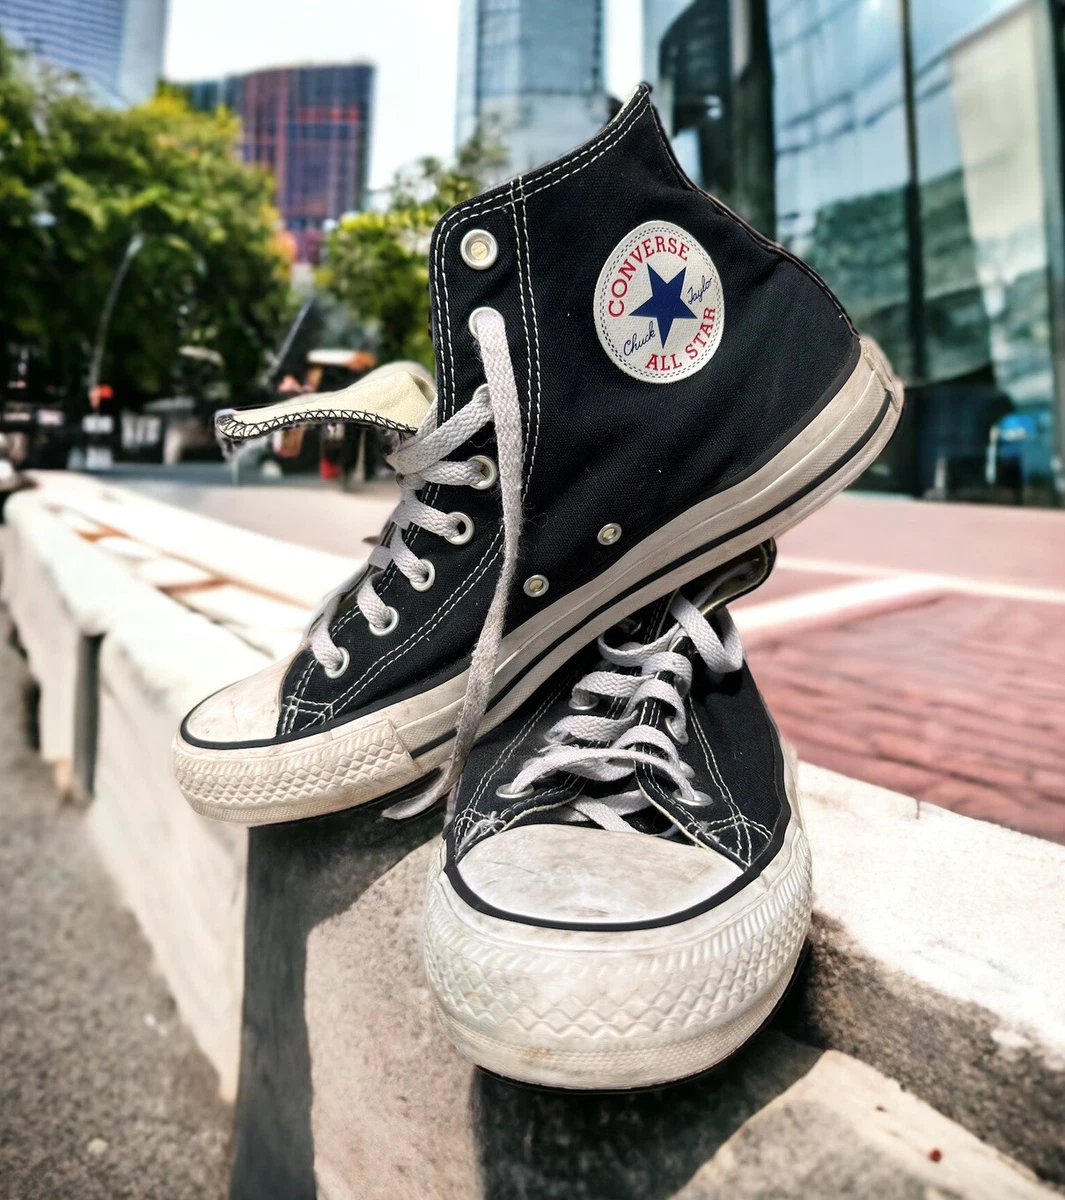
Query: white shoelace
419, 461
608, 749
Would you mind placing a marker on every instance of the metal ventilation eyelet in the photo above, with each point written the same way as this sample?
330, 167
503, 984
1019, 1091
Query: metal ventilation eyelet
489, 472
390, 624
609, 534
461, 535
536, 586
341, 667
423, 585
479, 249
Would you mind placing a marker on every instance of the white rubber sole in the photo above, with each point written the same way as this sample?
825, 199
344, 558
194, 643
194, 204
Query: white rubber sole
373, 756
616, 1010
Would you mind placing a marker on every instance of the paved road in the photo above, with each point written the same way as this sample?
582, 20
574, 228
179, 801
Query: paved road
103, 1094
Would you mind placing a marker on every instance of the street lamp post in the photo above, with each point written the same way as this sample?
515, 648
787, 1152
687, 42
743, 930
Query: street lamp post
132, 250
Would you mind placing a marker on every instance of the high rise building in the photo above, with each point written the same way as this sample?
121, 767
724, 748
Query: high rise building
115, 45
911, 150
531, 73
310, 125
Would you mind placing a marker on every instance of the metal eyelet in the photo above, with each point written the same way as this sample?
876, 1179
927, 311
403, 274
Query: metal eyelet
551, 741
536, 586
479, 249
342, 666
381, 630
423, 585
687, 770
698, 801
507, 792
677, 732
489, 472
474, 315
583, 706
464, 531
609, 534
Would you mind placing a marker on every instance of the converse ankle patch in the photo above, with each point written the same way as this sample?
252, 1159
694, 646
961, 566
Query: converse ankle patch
659, 306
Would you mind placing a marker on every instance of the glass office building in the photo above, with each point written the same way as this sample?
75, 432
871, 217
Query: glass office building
911, 151
116, 45
531, 73
311, 127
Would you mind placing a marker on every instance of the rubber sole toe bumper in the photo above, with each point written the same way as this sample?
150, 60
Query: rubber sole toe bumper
614, 1010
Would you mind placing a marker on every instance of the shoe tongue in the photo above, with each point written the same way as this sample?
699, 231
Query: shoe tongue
396, 397
732, 579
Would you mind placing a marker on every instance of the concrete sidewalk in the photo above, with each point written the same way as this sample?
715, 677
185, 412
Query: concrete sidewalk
103, 1093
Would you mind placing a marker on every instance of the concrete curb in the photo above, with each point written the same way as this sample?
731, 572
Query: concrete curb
61, 591
118, 664
294, 573
939, 957
845, 1130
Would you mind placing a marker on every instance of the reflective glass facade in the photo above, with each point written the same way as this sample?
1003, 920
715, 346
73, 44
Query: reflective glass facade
116, 45
910, 150
531, 71
310, 126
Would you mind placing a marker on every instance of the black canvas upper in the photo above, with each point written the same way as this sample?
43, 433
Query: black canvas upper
600, 446
733, 748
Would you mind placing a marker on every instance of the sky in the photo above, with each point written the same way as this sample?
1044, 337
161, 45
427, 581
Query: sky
413, 43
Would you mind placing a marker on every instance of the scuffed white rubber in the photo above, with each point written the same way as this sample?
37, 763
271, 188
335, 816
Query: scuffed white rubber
372, 756
601, 1009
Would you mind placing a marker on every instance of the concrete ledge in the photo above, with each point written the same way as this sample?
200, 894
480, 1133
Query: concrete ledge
939, 957
60, 590
294, 573
845, 1130
354, 1032
182, 875
150, 660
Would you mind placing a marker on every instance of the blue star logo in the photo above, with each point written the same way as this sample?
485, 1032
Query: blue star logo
664, 303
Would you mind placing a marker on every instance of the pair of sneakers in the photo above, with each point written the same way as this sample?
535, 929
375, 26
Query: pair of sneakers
636, 392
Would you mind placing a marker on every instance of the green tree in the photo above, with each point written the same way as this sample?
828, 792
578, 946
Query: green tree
77, 183
378, 262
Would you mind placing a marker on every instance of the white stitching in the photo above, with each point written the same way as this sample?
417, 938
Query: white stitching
533, 417
748, 822
536, 328
397, 652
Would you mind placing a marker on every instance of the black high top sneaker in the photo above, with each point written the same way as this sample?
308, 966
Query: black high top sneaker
623, 891
633, 386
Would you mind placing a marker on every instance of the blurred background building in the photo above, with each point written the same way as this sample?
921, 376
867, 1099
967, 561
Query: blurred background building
531, 72
911, 151
117, 45
310, 125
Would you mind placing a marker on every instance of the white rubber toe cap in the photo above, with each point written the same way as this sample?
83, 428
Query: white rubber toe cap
568, 874
246, 711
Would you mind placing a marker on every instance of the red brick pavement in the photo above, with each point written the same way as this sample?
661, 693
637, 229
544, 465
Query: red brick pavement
960, 702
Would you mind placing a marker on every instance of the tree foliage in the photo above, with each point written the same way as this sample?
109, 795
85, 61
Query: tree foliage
77, 184
378, 262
